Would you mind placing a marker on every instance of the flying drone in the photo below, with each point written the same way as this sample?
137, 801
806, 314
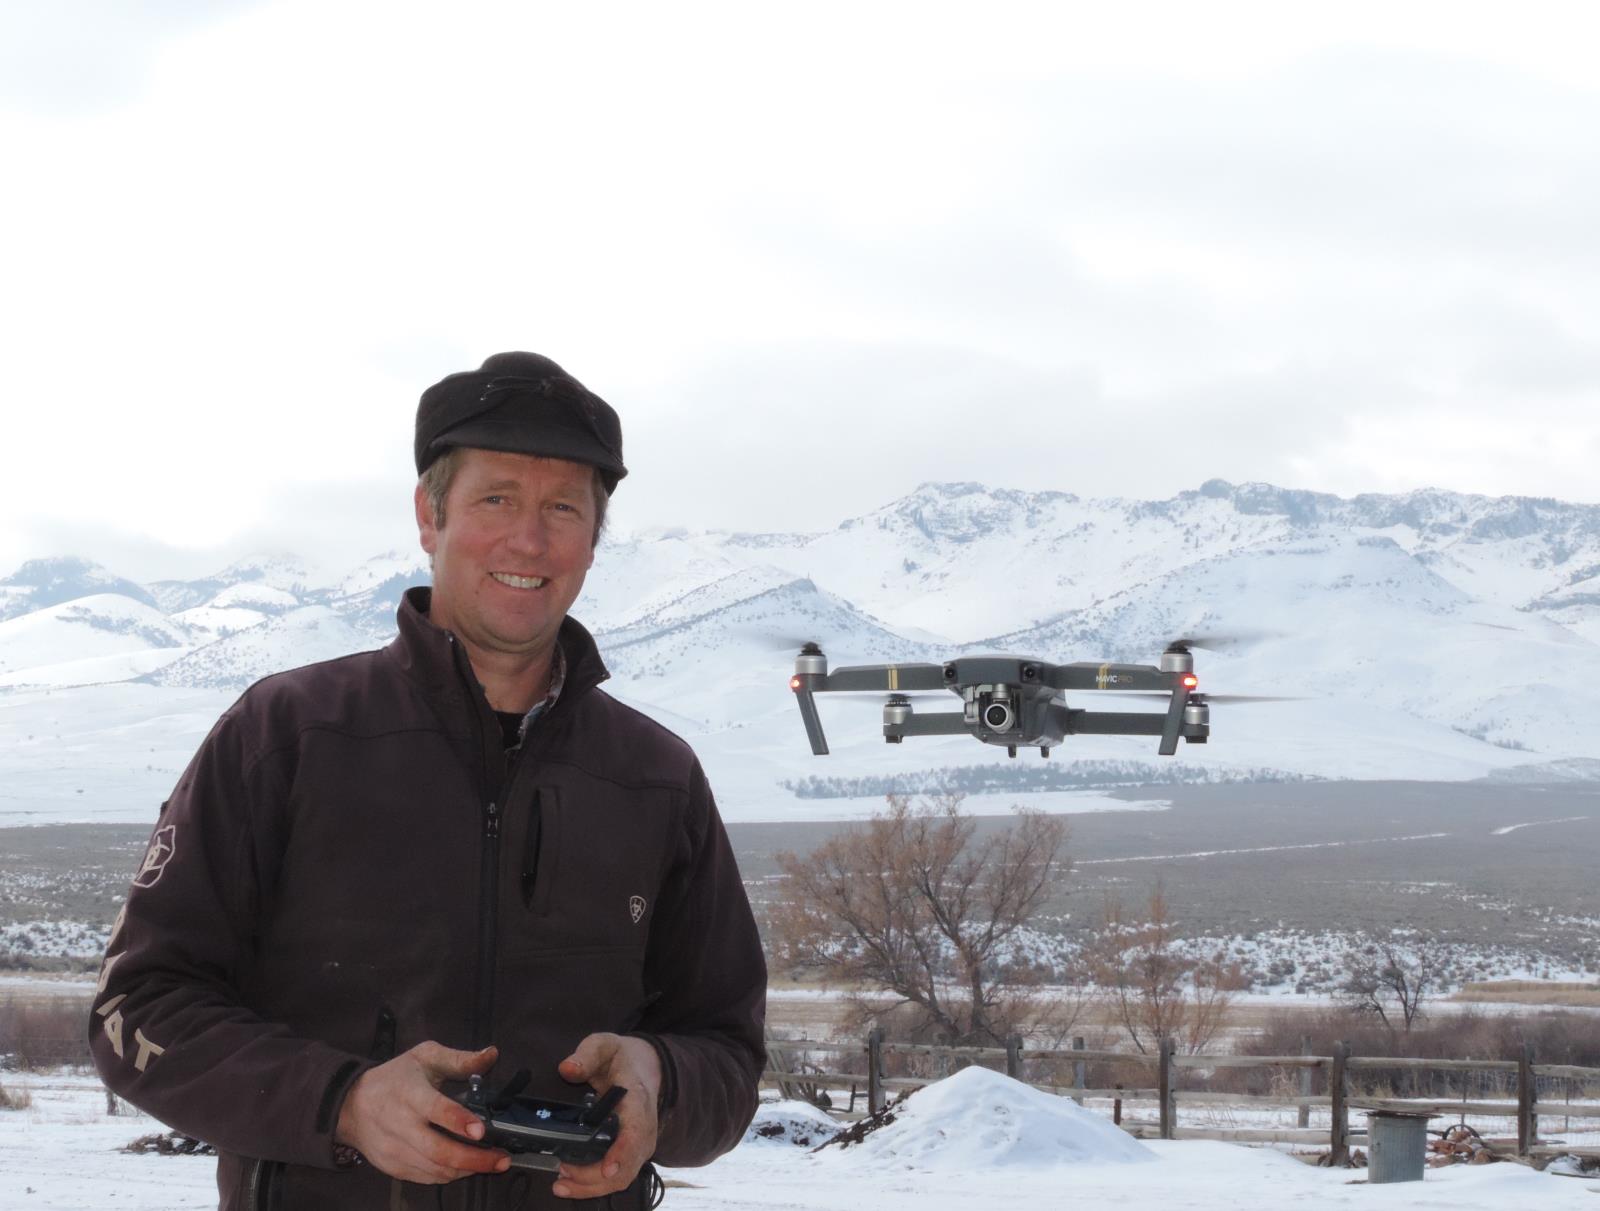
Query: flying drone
1015, 702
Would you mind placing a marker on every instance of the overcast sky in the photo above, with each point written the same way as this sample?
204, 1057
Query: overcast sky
813, 254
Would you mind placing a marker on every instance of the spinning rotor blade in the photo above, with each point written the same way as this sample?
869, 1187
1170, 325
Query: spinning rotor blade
1219, 641
772, 640
1210, 698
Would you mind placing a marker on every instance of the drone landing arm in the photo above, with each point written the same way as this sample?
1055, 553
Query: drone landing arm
1112, 723
813, 721
1168, 724
1172, 725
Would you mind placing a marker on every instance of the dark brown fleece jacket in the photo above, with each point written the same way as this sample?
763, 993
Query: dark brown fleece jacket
352, 865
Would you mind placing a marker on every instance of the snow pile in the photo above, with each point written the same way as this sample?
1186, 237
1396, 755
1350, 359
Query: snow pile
979, 1119
795, 1123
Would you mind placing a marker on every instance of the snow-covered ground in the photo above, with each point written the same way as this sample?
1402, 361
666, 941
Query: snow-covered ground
974, 1140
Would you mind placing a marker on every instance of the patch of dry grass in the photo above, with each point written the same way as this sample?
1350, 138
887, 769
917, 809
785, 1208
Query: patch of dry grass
1531, 992
14, 1099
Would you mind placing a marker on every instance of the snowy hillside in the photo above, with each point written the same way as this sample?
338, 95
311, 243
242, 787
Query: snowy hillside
301, 636
98, 638
1429, 635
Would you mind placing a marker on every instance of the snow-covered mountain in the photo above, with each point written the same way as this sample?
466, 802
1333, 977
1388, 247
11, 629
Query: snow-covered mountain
283, 573
1431, 634
47, 582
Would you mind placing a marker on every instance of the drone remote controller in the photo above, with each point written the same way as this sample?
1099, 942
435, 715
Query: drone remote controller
541, 1134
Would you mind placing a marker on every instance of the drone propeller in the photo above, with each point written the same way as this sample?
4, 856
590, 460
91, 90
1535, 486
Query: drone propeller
774, 641
1221, 641
1201, 696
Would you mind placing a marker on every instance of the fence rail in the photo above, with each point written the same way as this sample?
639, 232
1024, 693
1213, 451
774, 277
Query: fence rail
1526, 1108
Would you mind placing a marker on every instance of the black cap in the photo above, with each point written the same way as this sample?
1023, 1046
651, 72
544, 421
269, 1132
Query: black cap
521, 403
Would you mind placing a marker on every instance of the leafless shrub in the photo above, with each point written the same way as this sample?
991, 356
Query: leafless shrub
913, 904
14, 1099
1391, 980
42, 1034
1155, 989
1557, 1038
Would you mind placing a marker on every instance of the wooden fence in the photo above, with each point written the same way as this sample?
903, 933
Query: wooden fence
797, 1078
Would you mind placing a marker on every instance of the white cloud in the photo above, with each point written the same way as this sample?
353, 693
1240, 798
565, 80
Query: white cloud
1108, 252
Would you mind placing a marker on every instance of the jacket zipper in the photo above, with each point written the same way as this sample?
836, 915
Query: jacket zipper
488, 900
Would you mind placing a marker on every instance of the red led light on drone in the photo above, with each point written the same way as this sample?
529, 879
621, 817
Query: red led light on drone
1190, 681
794, 683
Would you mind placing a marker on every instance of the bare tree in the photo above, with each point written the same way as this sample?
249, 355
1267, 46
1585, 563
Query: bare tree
1392, 979
1156, 989
914, 904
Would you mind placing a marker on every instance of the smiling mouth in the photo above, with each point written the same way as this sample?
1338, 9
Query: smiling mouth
519, 582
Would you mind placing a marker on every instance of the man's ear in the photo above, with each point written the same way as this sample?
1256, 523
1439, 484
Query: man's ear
427, 532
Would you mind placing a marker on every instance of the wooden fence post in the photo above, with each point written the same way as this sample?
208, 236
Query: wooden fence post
875, 1100
1080, 1071
1527, 1092
1168, 1046
1339, 1132
778, 1060
1304, 1117
1116, 1110
1014, 1056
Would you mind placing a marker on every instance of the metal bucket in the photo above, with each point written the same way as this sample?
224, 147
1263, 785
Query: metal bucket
1397, 1146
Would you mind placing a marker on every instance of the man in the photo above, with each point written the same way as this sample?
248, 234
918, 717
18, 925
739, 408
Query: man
385, 873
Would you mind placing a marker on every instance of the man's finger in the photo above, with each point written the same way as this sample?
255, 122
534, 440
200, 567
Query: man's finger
453, 1116
462, 1158
614, 1171
442, 1063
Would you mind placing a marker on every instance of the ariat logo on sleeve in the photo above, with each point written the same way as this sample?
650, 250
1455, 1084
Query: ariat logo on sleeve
162, 847
636, 908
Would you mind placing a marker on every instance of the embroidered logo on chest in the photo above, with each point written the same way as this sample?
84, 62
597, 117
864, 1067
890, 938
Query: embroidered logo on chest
636, 908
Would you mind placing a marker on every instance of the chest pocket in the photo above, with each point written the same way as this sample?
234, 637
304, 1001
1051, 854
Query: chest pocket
581, 868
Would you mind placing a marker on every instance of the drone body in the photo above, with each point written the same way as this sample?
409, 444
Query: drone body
1014, 702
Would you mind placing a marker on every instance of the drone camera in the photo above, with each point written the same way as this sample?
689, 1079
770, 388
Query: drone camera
998, 717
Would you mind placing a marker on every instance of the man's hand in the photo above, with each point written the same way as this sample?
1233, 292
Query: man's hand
605, 1060
387, 1117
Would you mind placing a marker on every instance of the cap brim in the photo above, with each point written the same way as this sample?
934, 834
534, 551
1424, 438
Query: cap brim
548, 441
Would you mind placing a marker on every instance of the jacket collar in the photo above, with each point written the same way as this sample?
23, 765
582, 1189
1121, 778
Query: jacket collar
427, 654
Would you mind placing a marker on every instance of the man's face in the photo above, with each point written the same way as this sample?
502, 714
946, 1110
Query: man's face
510, 558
